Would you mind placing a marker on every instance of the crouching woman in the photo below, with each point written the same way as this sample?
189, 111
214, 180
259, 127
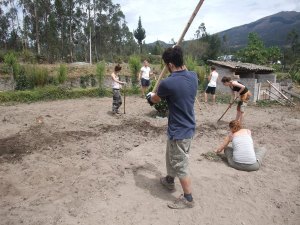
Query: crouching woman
241, 155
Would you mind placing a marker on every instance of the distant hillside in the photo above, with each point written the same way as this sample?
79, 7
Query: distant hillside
272, 30
162, 44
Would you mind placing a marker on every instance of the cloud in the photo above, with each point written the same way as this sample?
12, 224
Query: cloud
165, 19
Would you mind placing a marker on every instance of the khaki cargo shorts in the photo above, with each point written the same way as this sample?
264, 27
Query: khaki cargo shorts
177, 157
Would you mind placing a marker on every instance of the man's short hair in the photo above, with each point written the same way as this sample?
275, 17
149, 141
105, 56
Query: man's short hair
213, 68
173, 55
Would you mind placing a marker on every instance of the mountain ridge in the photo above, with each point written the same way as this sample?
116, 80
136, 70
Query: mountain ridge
272, 29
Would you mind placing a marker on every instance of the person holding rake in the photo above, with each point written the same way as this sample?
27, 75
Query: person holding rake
179, 90
116, 86
238, 91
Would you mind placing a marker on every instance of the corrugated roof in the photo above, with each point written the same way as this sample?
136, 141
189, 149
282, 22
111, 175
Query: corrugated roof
237, 66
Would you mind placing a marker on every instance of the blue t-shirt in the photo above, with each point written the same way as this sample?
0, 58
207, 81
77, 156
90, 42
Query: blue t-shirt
180, 89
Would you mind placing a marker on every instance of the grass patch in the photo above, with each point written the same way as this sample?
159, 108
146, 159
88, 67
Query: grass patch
222, 98
46, 93
55, 93
266, 103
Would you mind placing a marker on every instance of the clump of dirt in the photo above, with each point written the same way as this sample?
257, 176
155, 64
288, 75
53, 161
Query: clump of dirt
212, 156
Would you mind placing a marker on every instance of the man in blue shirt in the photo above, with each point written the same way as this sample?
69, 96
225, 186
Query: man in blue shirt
179, 90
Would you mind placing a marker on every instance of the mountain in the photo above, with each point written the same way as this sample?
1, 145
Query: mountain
161, 43
273, 30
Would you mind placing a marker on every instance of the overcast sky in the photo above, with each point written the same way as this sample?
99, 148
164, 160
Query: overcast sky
166, 19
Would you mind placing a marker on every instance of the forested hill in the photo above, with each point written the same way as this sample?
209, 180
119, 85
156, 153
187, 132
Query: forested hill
273, 30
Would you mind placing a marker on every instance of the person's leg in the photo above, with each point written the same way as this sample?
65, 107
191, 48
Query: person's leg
205, 97
168, 181
228, 151
260, 153
115, 101
119, 100
239, 166
180, 162
186, 185
214, 99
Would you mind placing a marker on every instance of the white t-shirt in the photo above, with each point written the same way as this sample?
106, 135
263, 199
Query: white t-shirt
213, 79
145, 72
116, 85
243, 150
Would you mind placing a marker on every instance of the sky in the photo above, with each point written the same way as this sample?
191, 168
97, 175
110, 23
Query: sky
166, 19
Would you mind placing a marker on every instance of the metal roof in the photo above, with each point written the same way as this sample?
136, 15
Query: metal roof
238, 66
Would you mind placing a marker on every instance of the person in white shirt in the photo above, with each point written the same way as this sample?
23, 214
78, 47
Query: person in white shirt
144, 77
212, 85
116, 86
241, 155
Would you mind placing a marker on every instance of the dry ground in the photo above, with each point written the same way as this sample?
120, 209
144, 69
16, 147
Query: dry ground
72, 162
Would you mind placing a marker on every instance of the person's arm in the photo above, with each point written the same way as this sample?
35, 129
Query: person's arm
116, 80
233, 97
162, 91
209, 77
140, 74
225, 143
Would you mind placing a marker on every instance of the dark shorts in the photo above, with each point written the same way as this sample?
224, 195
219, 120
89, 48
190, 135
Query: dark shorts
145, 82
210, 90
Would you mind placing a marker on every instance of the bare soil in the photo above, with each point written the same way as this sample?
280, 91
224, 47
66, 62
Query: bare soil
73, 162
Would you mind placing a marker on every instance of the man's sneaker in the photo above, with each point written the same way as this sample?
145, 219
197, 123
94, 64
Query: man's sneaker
181, 203
164, 182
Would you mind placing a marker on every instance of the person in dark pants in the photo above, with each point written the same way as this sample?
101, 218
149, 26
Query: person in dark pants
144, 77
116, 86
212, 85
179, 90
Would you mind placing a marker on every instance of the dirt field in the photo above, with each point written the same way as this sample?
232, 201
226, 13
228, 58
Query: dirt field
72, 162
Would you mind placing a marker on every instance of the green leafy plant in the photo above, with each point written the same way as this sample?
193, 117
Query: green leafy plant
84, 81
134, 65
100, 73
62, 74
162, 106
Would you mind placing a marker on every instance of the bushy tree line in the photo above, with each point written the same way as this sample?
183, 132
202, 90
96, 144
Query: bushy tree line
63, 29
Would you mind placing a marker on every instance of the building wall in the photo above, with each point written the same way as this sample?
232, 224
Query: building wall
262, 78
223, 72
251, 84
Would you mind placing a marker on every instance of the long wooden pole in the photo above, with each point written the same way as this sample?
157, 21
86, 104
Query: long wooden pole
230, 104
179, 41
281, 93
124, 98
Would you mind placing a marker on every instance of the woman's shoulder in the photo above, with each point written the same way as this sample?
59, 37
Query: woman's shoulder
242, 132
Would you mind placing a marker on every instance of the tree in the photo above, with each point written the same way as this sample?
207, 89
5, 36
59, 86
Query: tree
140, 34
4, 25
201, 31
255, 52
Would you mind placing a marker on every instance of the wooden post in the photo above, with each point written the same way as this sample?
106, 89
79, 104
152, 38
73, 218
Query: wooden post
179, 42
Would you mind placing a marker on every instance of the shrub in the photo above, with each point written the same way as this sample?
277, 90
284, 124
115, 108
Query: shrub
62, 74
36, 76
84, 81
162, 106
190, 63
46, 93
93, 80
100, 73
134, 65
10, 59
295, 72
28, 56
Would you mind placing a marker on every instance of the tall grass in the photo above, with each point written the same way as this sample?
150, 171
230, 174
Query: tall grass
100, 73
135, 66
62, 74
